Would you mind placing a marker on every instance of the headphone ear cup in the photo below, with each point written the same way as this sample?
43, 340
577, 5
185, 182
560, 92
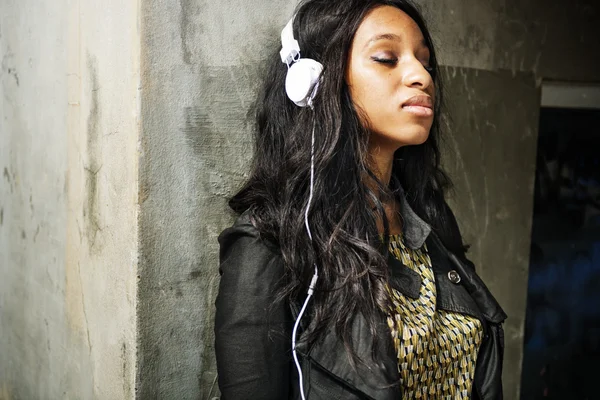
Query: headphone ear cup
302, 78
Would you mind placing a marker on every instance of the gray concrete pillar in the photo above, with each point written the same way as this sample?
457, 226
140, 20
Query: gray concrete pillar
69, 152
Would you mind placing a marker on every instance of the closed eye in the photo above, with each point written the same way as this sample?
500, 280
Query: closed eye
389, 61
394, 61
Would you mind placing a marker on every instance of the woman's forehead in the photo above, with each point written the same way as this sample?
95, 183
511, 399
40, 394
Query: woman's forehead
388, 23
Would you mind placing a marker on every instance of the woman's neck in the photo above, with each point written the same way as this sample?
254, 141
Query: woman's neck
381, 164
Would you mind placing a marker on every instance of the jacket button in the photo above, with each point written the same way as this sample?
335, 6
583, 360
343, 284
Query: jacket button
454, 276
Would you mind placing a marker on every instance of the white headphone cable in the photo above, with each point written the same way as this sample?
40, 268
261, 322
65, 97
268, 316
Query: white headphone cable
313, 281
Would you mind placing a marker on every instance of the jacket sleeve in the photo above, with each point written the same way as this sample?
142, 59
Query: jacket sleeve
252, 339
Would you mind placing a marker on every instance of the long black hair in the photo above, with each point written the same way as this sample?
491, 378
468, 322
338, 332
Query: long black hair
347, 247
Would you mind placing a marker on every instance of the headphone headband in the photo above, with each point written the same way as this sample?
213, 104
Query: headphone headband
290, 49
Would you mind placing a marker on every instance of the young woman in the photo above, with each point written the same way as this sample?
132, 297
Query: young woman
345, 276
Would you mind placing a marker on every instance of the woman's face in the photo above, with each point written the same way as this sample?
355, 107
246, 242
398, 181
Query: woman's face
389, 80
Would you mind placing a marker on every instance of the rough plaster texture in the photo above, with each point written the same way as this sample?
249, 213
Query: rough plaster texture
552, 39
198, 75
68, 198
200, 65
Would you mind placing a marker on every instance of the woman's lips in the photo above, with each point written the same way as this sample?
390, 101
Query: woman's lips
420, 105
419, 111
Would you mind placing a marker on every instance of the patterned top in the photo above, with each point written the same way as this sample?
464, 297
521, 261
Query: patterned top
437, 350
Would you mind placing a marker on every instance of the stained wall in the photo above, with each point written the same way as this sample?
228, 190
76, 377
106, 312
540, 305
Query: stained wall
69, 132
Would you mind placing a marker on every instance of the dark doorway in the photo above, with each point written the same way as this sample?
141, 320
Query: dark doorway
561, 358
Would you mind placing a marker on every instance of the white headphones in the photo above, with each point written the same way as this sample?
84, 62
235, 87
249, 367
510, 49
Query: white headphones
301, 84
303, 75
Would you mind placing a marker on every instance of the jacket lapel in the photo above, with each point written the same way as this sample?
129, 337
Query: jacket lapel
375, 378
404, 279
479, 299
380, 379
450, 296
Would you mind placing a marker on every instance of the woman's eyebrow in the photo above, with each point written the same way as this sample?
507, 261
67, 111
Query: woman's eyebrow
390, 36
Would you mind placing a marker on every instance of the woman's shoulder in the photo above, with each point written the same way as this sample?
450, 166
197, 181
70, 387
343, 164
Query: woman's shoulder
248, 264
244, 233
242, 225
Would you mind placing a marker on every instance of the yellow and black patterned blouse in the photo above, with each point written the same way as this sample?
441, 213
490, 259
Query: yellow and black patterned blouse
437, 350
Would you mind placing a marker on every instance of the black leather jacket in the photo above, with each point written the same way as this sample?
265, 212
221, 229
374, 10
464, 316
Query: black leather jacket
253, 341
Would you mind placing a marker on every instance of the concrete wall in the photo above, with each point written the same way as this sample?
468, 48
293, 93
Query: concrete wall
553, 39
69, 128
200, 66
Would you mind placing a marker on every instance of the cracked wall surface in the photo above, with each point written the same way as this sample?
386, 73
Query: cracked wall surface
69, 131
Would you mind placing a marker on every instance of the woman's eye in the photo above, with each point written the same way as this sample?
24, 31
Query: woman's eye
390, 61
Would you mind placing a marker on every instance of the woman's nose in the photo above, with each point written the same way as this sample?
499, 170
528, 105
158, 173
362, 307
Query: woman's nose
415, 75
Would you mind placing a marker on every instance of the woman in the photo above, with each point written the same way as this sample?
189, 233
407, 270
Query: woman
345, 204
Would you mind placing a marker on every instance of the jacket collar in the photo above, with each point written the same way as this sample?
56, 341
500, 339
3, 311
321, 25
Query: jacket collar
417, 232
414, 229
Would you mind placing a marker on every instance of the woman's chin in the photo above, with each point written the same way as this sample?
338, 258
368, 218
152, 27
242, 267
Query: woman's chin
415, 137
